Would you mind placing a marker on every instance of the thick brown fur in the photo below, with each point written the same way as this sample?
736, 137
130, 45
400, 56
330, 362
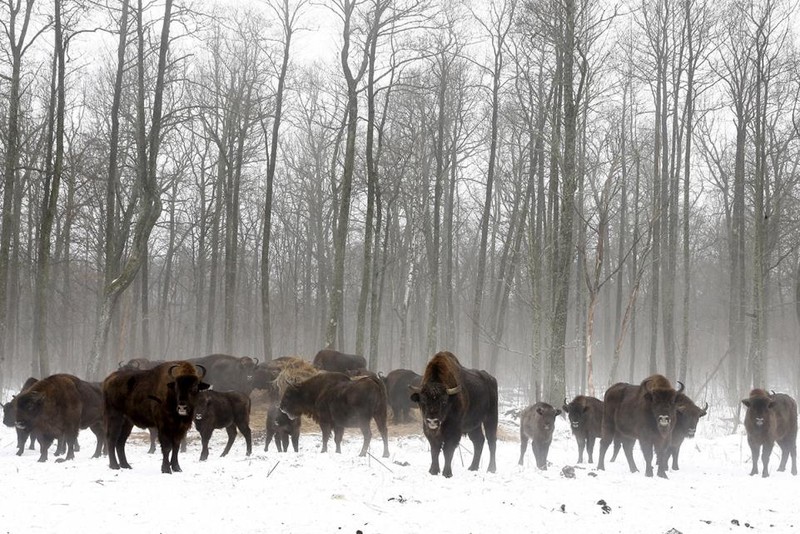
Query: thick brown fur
162, 397
10, 419
49, 409
337, 401
453, 401
222, 409
293, 372
335, 361
585, 416
646, 412
771, 418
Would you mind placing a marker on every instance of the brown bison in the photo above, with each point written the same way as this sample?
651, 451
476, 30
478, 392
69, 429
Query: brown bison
771, 418
397, 387
453, 401
585, 416
645, 412
337, 401
49, 409
228, 373
537, 423
10, 419
688, 415
333, 360
163, 397
281, 428
222, 409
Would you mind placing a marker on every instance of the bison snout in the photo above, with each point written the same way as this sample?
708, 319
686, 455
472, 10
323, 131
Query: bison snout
663, 420
691, 432
183, 410
575, 424
433, 424
20, 425
198, 416
759, 421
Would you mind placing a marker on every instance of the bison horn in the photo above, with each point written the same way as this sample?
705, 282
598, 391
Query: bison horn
202, 370
705, 409
171, 368
255, 360
414, 389
680, 389
453, 391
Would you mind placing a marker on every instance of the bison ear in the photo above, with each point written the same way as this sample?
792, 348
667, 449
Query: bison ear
746, 402
539, 411
771, 404
565, 408
680, 408
202, 385
415, 397
558, 412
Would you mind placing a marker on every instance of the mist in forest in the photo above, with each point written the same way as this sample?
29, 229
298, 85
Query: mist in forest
567, 194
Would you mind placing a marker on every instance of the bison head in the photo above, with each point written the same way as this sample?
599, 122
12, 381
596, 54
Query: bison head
758, 409
661, 401
576, 413
292, 401
688, 415
202, 406
435, 402
10, 412
546, 416
28, 407
184, 388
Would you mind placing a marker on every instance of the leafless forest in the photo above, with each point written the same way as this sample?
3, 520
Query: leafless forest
567, 193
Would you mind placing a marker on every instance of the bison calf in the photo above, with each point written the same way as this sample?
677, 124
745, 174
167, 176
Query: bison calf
281, 428
769, 419
536, 424
222, 409
585, 419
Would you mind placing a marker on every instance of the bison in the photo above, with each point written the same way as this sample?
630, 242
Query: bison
337, 401
397, 384
453, 401
645, 412
537, 423
333, 360
49, 409
771, 418
228, 373
10, 419
281, 428
163, 397
222, 409
688, 415
585, 416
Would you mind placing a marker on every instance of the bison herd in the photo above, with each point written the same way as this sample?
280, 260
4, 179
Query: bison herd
338, 392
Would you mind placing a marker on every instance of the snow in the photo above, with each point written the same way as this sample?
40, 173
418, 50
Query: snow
317, 493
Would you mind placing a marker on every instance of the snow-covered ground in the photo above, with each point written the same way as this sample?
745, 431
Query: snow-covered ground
319, 493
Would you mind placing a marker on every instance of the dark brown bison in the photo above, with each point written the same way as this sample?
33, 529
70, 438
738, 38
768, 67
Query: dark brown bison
163, 397
228, 373
397, 389
333, 360
222, 409
771, 418
453, 401
585, 416
49, 409
688, 415
337, 401
645, 412
10, 419
281, 428
537, 423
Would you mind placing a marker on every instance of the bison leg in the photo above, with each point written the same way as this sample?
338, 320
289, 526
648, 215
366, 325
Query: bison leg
490, 426
605, 441
784, 456
366, 431
766, 451
436, 447
380, 420
647, 452
205, 436
60, 446
326, 435
282, 441
477, 439
581, 446
244, 428
153, 438
673, 451
44, 444
523, 445
617, 445
338, 433
295, 440
231, 430
540, 453
590, 448
270, 433
755, 446
22, 439
97, 430
449, 448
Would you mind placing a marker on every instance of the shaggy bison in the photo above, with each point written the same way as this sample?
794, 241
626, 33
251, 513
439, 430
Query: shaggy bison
585, 416
337, 401
49, 409
10, 419
453, 401
281, 428
688, 415
163, 397
645, 412
222, 409
397, 387
537, 423
771, 418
